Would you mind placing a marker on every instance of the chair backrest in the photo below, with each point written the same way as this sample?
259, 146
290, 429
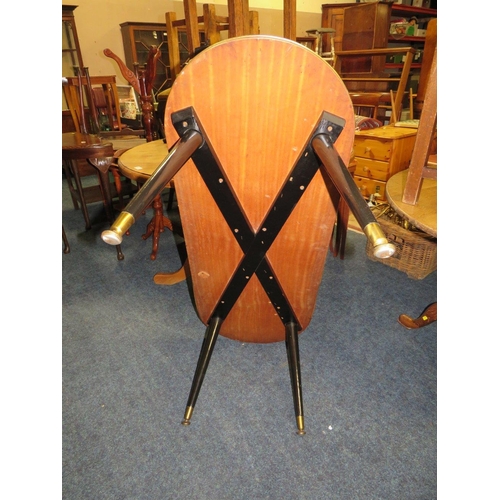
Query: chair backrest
141, 81
257, 138
102, 103
366, 104
377, 82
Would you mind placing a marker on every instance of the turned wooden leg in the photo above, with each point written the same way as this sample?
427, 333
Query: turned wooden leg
118, 184
76, 175
157, 225
341, 230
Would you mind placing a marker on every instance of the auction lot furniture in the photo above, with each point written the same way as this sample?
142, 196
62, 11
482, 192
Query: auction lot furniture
258, 184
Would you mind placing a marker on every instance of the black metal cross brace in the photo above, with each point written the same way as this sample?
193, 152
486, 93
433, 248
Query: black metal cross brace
255, 245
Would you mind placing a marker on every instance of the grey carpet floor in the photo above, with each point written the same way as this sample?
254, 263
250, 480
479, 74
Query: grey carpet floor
129, 353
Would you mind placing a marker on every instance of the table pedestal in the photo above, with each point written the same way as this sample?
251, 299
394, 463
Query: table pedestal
138, 164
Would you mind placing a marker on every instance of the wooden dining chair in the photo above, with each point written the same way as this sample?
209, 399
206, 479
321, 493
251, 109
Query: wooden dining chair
257, 192
99, 113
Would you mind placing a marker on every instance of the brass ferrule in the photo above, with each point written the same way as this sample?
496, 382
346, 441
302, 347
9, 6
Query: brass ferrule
122, 224
300, 425
382, 249
187, 415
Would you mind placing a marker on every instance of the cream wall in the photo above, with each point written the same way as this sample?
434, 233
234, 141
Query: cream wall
98, 23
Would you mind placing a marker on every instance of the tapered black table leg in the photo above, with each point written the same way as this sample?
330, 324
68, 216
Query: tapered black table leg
211, 334
292, 349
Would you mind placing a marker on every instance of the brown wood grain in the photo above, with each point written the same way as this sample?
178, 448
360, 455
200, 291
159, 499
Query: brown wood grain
258, 98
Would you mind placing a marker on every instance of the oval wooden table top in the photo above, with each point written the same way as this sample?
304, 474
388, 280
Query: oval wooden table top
140, 162
423, 214
258, 100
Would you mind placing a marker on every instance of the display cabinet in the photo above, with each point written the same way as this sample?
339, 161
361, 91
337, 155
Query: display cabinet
137, 40
139, 37
71, 58
71, 53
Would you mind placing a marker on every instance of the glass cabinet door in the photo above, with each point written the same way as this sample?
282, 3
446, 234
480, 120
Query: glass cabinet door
71, 55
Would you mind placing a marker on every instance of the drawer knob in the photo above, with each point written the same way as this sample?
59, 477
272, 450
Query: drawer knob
365, 169
367, 149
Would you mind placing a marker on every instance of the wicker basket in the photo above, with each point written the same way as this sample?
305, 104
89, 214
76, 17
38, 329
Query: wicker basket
416, 252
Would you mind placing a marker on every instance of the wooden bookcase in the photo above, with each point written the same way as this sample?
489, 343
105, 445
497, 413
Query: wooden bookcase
424, 15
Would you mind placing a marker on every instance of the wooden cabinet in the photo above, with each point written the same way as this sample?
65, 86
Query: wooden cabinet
137, 40
357, 25
71, 53
379, 153
139, 37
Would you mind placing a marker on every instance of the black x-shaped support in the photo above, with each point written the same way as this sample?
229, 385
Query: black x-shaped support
319, 151
254, 244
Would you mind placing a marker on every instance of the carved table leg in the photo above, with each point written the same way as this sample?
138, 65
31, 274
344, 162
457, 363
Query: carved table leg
428, 316
65, 241
338, 249
102, 166
157, 225
170, 278
76, 175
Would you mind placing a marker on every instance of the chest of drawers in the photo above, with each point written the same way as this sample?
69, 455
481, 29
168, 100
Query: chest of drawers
380, 153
